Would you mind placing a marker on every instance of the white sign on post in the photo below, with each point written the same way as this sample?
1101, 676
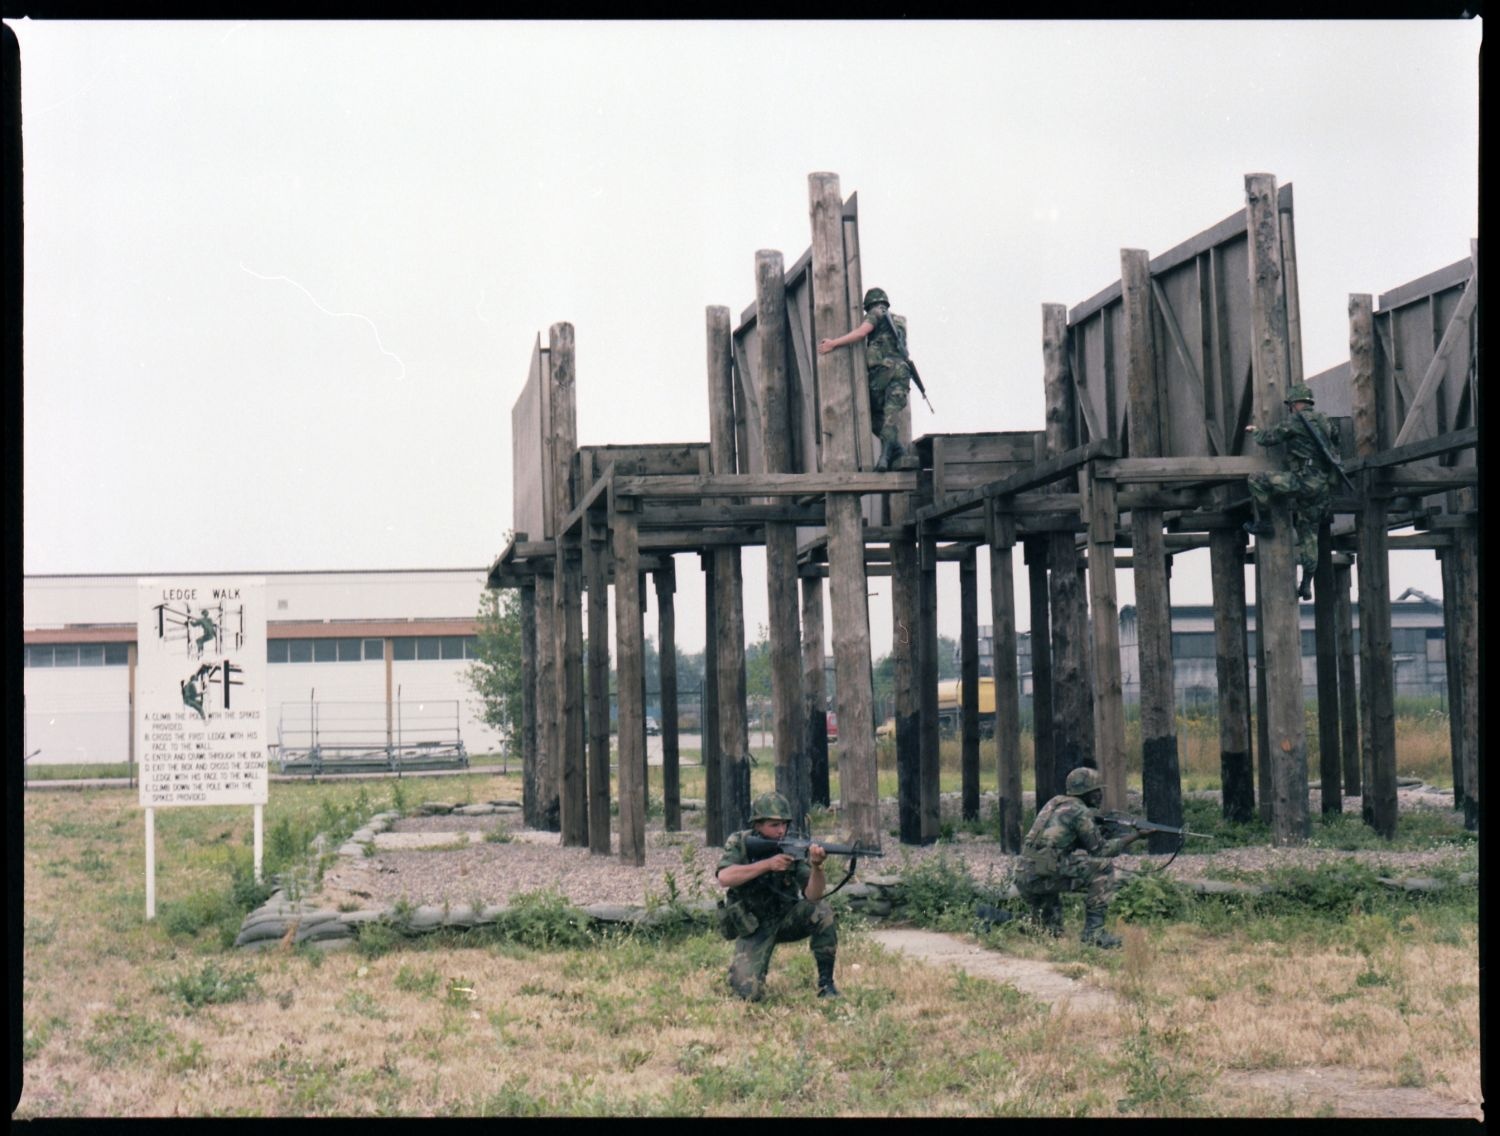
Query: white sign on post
201, 692
200, 696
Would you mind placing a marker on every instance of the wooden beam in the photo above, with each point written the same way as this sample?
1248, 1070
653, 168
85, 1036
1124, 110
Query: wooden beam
1276, 606
597, 557
1160, 776
665, 579
630, 672
814, 690
1377, 688
968, 590
1416, 409
792, 779
1236, 768
858, 787
1052, 468
1007, 681
765, 485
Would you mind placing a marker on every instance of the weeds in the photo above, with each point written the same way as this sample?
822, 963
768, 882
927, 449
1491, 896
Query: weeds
211, 986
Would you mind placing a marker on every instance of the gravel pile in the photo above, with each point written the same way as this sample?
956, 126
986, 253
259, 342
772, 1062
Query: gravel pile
530, 861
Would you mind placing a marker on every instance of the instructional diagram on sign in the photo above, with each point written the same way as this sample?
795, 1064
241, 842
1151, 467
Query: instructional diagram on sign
201, 692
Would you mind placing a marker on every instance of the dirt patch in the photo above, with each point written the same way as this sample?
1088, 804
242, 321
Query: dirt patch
1345, 1093
1041, 980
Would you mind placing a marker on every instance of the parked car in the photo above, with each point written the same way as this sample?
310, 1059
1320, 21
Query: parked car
653, 727
832, 719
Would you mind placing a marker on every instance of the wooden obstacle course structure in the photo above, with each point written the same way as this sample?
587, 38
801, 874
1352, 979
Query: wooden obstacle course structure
1149, 386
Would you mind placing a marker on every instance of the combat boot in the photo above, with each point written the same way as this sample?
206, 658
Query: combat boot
1094, 932
826, 988
1047, 913
890, 452
1304, 591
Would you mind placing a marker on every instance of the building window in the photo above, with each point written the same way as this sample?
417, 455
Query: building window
276, 650
76, 655
299, 650
433, 647
374, 648
1193, 645
428, 648
403, 649
325, 650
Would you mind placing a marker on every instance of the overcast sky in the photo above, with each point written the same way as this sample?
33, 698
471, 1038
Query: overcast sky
283, 279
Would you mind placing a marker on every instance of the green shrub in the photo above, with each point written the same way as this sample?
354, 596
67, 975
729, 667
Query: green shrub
211, 986
545, 920
1149, 896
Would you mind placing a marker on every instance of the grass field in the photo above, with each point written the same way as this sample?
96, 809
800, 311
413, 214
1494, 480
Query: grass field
128, 1018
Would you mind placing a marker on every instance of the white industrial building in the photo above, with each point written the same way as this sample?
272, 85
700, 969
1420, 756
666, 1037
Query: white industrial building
366, 657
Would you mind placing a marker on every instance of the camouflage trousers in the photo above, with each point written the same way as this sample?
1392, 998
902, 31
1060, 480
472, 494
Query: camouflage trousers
1076, 871
890, 385
1308, 498
752, 952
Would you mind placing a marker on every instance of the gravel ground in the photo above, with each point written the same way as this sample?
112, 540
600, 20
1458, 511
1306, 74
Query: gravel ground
494, 872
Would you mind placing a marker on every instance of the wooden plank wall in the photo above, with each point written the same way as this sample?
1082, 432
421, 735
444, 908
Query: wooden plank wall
531, 490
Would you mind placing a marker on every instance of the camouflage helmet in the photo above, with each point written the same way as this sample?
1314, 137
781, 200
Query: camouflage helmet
770, 806
876, 296
1298, 392
1081, 781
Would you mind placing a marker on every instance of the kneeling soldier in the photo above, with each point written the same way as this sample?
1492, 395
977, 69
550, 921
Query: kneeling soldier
1066, 851
775, 900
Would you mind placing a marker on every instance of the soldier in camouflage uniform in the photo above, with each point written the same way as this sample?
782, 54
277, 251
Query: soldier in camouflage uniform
886, 369
1306, 483
1066, 851
775, 900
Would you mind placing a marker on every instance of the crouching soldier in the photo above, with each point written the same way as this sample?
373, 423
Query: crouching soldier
1066, 851
775, 900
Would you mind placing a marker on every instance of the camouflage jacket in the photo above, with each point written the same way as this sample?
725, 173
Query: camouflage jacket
1064, 825
881, 347
771, 894
1302, 454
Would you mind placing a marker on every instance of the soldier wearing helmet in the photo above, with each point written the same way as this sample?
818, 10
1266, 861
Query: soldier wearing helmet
774, 900
1306, 481
1065, 850
887, 371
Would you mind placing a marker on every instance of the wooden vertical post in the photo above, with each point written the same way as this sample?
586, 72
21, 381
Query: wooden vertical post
1161, 776
1276, 599
666, 634
573, 786
814, 689
1348, 693
548, 708
1377, 688
1104, 607
1072, 697
1226, 550
530, 797
1048, 780
1325, 633
792, 779
630, 667
1002, 539
906, 649
1262, 730
729, 614
858, 788
570, 758
597, 557
968, 591
1464, 693
929, 754
1446, 559
714, 833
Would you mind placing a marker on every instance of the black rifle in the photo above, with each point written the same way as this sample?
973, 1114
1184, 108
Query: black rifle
901, 347
1325, 449
1141, 824
761, 847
